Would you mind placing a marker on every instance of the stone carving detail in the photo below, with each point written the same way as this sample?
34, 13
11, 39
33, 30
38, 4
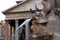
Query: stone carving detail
47, 7
38, 18
41, 15
38, 29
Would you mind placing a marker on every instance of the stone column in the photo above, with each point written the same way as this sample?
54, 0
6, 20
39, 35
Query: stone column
16, 31
10, 32
27, 31
6, 30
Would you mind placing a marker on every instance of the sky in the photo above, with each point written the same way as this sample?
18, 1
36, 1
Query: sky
5, 4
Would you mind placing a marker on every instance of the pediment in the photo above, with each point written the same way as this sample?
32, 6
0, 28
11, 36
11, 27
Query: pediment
27, 5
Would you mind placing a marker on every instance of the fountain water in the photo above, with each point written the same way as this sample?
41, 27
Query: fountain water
26, 23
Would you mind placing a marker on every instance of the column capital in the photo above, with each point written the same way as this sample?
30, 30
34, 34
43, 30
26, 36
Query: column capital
16, 20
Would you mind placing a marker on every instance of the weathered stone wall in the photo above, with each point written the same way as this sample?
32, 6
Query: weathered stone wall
54, 27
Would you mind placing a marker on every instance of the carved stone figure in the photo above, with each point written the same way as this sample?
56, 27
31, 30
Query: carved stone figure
39, 32
38, 29
47, 7
39, 17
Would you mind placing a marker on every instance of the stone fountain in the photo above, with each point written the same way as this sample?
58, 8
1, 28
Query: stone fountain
40, 18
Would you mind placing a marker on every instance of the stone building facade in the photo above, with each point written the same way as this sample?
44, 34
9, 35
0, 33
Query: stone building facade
20, 12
